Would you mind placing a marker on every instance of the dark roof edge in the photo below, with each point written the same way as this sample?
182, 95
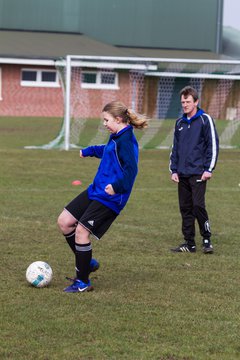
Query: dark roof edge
42, 31
158, 48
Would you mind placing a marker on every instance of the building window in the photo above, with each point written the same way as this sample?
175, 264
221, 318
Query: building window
39, 78
99, 80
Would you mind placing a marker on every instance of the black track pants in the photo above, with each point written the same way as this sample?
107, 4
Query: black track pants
191, 195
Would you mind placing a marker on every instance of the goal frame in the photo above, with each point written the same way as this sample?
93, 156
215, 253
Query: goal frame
150, 67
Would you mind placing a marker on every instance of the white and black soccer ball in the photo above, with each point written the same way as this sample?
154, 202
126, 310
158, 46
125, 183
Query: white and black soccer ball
39, 274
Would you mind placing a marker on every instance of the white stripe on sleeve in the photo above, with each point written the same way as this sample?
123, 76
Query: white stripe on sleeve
214, 143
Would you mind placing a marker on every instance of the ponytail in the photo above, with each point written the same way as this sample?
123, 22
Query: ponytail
136, 120
128, 116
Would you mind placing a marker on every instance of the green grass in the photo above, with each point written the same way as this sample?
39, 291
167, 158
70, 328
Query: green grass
148, 303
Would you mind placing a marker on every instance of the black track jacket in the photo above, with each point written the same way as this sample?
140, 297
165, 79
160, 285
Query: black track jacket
195, 145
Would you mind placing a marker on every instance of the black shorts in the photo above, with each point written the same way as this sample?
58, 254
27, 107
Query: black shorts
92, 214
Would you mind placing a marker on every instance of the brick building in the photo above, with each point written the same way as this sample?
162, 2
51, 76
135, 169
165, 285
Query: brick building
30, 83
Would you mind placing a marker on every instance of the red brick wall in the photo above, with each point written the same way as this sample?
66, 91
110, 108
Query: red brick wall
18, 100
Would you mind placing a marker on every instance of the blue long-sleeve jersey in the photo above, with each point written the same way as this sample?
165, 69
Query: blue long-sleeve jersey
118, 167
195, 145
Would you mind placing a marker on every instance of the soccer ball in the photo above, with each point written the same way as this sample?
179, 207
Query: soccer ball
39, 274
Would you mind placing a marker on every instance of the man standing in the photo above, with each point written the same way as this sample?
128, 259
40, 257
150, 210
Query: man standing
192, 160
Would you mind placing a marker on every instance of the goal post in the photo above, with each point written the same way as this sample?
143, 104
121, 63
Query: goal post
67, 103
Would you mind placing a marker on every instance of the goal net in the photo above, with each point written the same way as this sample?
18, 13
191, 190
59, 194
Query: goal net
149, 86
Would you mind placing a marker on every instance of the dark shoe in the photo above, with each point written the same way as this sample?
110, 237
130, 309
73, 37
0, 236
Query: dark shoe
185, 248
207, 247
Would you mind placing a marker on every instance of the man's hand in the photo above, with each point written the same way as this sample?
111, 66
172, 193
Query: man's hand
109, 190
206, 176
175, 178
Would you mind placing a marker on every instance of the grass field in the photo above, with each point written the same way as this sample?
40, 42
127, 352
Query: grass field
148, 303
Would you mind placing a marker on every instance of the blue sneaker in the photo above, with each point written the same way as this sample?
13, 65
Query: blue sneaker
94, 265
79, 286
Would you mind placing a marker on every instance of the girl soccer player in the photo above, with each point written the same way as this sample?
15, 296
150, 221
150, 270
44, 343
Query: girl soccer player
93, 211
